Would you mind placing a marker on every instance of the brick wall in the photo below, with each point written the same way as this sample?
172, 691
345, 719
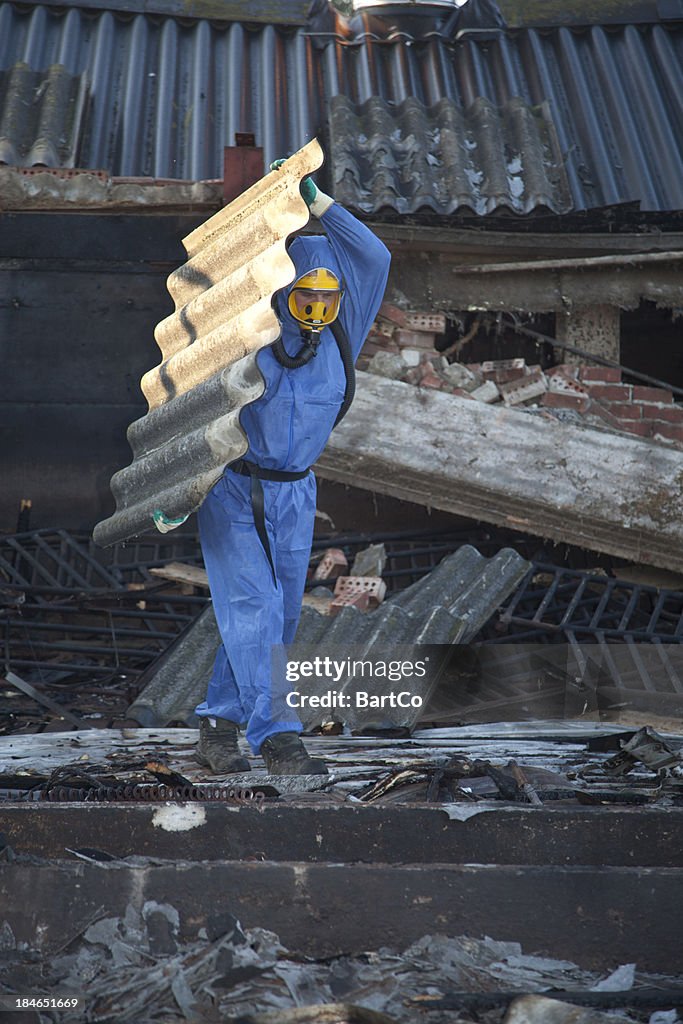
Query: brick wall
402, 345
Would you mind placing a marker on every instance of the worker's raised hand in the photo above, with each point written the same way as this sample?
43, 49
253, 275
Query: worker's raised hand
307, 187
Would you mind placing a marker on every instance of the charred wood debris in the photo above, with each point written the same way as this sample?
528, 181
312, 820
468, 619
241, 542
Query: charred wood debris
246, 976
82, 629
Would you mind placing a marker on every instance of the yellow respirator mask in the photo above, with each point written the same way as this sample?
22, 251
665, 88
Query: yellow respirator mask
314, 298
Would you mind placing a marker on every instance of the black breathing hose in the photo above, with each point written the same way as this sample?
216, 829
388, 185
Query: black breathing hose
303, 356
344, 347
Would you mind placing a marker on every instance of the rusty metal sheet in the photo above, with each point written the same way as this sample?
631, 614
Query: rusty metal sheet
223, 295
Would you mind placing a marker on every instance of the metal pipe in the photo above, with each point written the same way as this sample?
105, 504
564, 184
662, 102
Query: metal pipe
592, 357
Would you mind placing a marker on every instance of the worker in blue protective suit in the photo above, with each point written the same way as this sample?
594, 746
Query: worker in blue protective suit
256, 525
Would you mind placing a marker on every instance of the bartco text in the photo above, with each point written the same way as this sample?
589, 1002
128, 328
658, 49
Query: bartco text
357, 699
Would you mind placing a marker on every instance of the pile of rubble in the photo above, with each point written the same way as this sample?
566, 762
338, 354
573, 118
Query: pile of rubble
360, 587
402, 346
138, 967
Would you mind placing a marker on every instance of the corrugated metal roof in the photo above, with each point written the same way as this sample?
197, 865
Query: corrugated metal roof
448, 606
165, 95
223, 316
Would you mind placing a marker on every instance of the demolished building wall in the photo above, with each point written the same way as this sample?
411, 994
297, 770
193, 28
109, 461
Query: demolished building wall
598, 490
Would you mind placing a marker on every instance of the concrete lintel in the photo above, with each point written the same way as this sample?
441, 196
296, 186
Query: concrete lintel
94, 190
449, 285
603, 491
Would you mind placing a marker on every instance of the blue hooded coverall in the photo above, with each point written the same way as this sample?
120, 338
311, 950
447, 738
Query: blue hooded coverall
287, 429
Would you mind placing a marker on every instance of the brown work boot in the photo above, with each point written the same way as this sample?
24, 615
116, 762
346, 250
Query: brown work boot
285, 754
218, 748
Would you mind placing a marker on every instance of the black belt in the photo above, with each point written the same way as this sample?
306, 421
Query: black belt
257, 474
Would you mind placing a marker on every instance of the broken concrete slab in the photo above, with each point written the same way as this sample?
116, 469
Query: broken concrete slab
609, 493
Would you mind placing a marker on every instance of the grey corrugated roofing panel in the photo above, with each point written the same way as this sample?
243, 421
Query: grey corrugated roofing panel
272, 12
522, 13
412, 157
614, 98
445, 15
448, 606
165, 95
41, 115
224, 315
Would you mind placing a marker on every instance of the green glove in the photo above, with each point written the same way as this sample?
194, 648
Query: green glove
307, 187
164, 524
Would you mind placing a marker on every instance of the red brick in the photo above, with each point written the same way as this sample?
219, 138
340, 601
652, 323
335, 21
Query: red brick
607, 374
373, 586
414, 375
561, 400
360, 601
567, 370
667, 413
414, 339
433, 322
641, 394
391, 312
524, 390
558, 382
610, 392
625, 410
603, 413
640, 427
379, 344
431, 381
461, 393
503, 376
332, 564
670, 431
490, 365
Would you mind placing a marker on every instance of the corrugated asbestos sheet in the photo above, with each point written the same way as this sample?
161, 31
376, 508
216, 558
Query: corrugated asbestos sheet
165, 95
412, 157
614, 99
237, 261
448, 606
42, 116
602, 103
289, 12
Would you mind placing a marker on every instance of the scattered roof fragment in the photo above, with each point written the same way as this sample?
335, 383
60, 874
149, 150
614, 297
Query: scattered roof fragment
448, 606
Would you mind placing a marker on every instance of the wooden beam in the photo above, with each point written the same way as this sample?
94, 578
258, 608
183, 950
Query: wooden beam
599, 490
503, 244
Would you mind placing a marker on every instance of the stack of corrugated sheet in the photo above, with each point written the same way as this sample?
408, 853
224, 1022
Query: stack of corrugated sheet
224, 315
